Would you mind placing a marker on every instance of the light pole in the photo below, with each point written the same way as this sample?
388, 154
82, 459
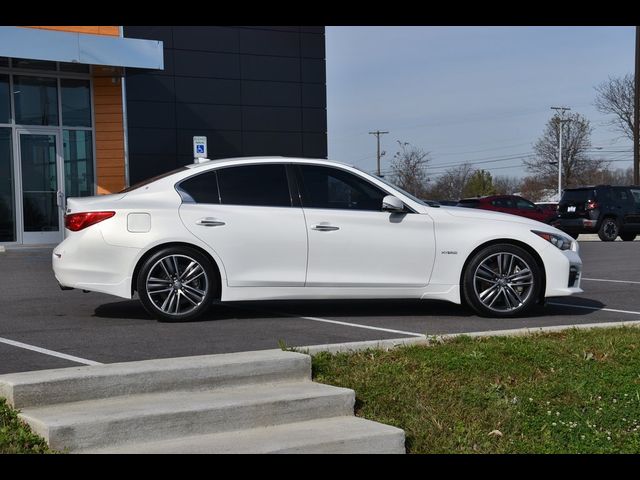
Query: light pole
562, 121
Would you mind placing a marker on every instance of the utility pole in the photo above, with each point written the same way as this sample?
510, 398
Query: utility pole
636, 114
562, 122
377, 133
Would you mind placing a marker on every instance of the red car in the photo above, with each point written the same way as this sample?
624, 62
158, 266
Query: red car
512, 204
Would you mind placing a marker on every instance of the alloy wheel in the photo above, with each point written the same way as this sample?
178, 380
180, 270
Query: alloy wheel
503, 282
177, 284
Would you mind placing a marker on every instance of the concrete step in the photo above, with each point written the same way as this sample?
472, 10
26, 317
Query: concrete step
160, 416
47, 387
331, 435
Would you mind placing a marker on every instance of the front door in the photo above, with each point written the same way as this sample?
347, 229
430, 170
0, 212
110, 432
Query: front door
352, 242
41, 191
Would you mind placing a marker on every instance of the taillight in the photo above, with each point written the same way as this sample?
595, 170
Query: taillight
591, 205
79, 221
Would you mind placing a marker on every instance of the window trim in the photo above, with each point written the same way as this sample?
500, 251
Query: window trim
301, 190
290, 185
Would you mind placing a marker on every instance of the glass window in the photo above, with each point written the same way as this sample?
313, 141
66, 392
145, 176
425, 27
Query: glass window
326, 187
202, 188
523, 204
7, 203
5, 100
36, 100
39, 182
258, 185
4, 62
636, 196
34, 64
74, 67
78, 163
76, 103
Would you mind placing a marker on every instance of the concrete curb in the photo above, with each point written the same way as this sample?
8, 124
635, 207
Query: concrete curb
431, 339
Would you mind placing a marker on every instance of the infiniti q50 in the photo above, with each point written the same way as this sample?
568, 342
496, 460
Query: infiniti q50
287, 228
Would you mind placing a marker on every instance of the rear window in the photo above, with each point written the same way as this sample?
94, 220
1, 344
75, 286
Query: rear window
577, 196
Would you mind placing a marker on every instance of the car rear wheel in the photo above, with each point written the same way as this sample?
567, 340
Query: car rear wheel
609, 230
176, 284
502, 280
628, 237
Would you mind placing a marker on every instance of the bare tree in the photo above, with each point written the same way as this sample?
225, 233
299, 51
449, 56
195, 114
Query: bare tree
615, 97
533, 188
577, 166
451, 183
409, 168
505, 185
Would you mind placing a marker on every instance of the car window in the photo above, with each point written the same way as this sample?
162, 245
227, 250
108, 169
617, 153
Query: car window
524, 204
201, 188
622, 195
502, 203
578, 196
257, 185
636, 196
326, 187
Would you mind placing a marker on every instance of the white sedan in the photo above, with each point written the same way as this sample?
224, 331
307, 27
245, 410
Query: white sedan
285, 228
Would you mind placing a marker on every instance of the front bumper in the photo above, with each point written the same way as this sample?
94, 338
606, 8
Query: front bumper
563, 272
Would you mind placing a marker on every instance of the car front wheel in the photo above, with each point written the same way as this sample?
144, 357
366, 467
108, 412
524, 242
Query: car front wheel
176, 284
502, 280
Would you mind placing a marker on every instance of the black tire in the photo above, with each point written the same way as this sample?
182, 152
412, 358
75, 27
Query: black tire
609, 229
475, 284
628, 236
191, 298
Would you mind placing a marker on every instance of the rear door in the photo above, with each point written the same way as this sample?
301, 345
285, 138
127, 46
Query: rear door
246, 214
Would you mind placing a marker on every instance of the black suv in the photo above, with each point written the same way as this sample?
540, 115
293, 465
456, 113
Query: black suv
608, 210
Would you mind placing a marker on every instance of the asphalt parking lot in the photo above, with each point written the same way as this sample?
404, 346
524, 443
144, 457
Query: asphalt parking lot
42, 327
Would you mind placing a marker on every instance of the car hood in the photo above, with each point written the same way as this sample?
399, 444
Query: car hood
479, 214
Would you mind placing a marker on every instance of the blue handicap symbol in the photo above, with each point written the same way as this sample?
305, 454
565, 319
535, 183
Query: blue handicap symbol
200, 148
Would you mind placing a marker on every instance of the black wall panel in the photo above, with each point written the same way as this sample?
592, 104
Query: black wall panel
250, 90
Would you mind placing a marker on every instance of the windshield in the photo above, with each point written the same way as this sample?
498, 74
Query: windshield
151, 180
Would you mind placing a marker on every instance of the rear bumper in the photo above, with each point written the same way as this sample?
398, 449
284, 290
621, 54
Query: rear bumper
85, 261
580, 225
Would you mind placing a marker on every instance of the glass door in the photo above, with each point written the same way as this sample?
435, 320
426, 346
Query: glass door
42, 196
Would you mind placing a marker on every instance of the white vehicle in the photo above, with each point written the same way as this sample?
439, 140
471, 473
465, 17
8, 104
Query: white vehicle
287, 228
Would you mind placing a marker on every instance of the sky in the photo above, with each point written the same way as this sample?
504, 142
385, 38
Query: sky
468, 94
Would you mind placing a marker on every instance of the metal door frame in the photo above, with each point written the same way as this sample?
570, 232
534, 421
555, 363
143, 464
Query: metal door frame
20, 233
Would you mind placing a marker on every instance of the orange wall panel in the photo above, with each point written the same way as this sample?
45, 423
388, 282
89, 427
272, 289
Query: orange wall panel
110, 174
111, 31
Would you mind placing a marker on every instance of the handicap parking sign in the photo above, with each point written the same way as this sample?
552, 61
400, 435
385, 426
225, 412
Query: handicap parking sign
199, 147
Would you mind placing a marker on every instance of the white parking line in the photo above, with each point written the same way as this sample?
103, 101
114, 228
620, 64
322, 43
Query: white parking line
606, 280
631, 312
48, 352
357, 325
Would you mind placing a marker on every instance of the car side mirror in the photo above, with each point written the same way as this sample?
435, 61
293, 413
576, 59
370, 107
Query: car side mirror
392, 204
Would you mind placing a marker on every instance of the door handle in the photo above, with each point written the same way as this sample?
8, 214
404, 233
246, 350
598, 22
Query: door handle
324, 228
209, 222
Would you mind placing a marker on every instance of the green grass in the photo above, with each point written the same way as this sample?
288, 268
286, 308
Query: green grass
16, 436
576, 391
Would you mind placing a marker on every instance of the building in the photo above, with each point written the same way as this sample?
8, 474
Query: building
88, 110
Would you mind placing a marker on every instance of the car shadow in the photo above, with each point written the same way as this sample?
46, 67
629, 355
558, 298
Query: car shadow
132, 309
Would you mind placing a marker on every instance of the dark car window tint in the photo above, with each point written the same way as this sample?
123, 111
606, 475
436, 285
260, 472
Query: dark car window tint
578, 196
326, 187
259, 185
202, 188
636, 196
525, 205
502, 203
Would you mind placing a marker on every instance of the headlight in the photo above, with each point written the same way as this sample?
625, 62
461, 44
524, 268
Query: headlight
560, 241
